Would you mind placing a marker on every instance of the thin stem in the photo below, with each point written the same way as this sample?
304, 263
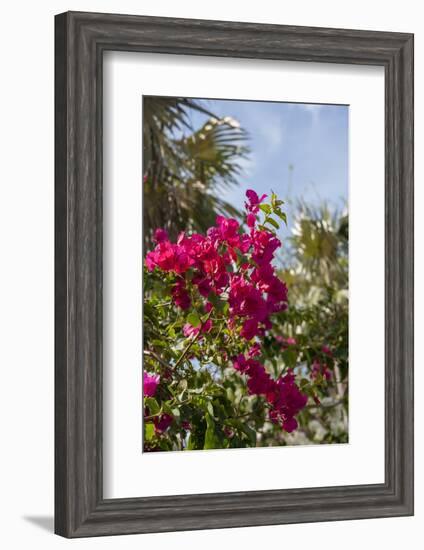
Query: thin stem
192, 341
158, 359
329, 406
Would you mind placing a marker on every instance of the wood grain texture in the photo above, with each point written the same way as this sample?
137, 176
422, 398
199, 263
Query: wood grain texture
81, 39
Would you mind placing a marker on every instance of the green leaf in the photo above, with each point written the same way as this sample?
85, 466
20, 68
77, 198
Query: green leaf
241, 258
159, 343
166, 407
265, 208
290, 357
281, 215
152, 404
215, 301
191, 443
193, 319
273, 223
209, 406
244, 428
212, 440
149, 431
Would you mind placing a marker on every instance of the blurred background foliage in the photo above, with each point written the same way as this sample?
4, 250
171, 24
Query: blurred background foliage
185, 170
316, 271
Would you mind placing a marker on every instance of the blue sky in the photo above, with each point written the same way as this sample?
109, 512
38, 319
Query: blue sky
298, 150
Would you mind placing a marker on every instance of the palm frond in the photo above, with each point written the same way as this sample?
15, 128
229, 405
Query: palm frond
185, 169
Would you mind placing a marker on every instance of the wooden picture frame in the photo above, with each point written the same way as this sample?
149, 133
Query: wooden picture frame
81, 39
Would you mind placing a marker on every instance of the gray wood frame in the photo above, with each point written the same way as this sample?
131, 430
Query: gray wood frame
80, 40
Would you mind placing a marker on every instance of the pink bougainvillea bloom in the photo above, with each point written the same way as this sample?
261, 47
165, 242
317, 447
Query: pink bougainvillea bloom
240, 363
246, 300
180, 295
251, 220
150, 261
150, 383
186, 425
190, 330
207, 326
327, 350
290, 424
245, 243
250, 329
287, 401
286, 342
162, 422
265, 244
161, 235
228, 228
283, 395
316, 369
326, 372
168, 256
210, 264
259, 381
253, 201
254, 351
320, 369
228, 432
204, 285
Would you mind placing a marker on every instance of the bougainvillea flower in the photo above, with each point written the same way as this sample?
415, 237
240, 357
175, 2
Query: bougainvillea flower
254, 351
290, 341
253, 201
240, 363
232, 265
251, 219
169, 257
150, 383
162, 422
161, 235
287, 401
327, 350
180, 295
189, 330
283, 395
204, 285
250, 329
319, 368
246, 300
265, 244
290, 424
228, 228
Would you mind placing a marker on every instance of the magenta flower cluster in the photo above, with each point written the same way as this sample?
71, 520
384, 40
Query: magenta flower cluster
150, 383
235, 266
254, 290
283, 395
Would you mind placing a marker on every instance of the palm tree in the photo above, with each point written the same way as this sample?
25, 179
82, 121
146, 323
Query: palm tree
318, 254
186, 170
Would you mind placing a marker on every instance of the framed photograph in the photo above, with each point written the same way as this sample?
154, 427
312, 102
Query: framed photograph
234, 274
